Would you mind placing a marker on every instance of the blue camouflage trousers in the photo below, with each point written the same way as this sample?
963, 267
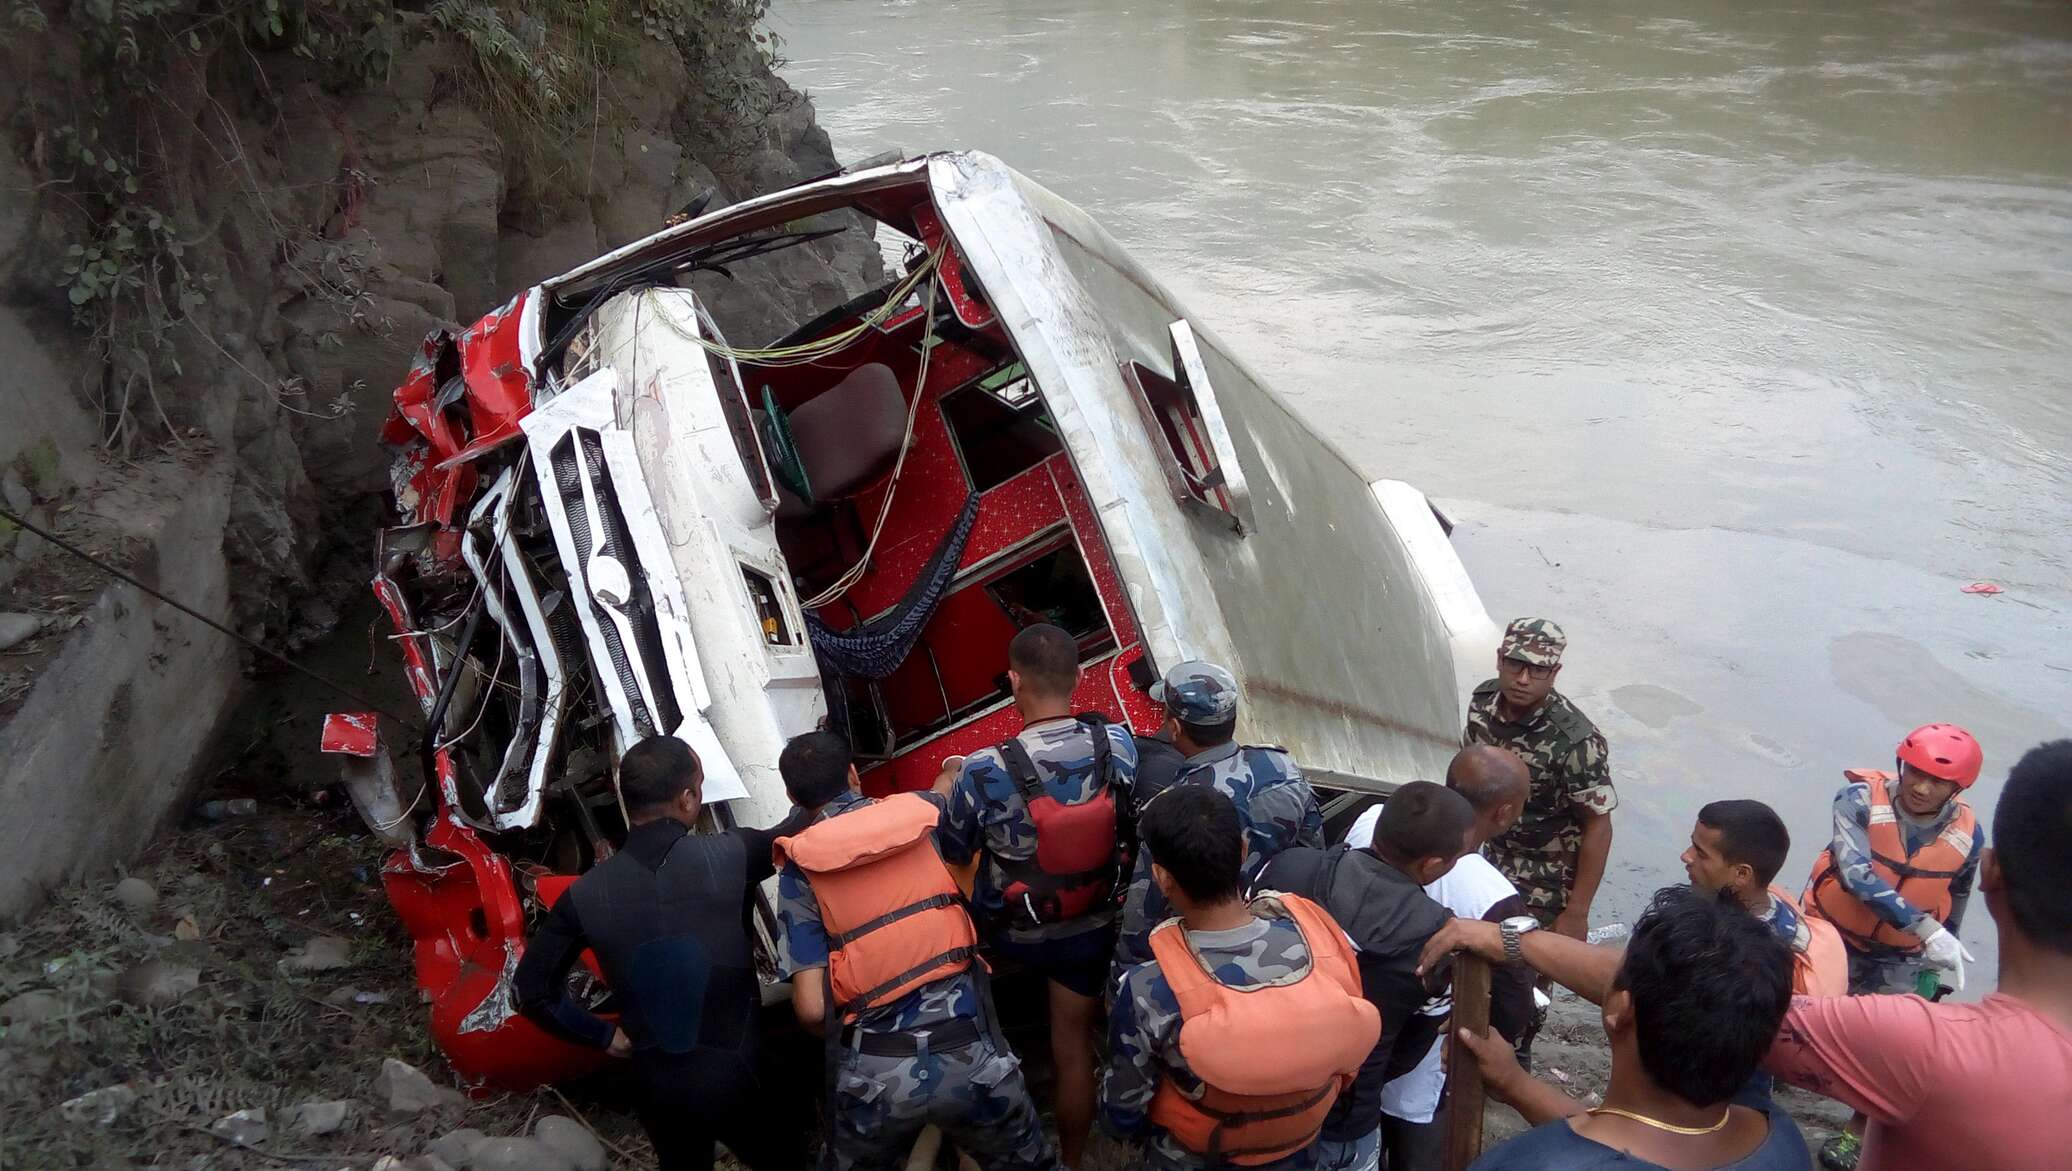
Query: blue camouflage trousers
975, 1093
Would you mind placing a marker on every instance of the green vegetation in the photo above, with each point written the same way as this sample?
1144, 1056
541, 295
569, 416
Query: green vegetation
144, 72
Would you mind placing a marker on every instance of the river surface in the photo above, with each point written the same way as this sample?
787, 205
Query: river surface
1736, 336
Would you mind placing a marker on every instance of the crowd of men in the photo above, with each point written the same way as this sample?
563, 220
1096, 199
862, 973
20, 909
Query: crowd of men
1272, 1001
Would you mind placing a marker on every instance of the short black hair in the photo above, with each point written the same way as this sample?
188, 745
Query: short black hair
1046, 657
1210, 735
815, 767
1710, 984
1751, 834
654, 771
1423, 820
1192, 831
2032, 838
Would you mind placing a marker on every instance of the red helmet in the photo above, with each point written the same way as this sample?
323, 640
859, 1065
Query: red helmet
1943, 750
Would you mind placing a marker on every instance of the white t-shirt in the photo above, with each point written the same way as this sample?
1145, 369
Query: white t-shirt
1469, 890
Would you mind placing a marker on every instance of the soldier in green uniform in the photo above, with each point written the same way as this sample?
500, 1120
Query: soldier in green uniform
1555, 854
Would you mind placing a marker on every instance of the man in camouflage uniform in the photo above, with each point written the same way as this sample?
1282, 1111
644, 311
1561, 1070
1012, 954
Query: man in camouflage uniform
880, 1101
987, 818
1555, 854
1275, 805
1245, 946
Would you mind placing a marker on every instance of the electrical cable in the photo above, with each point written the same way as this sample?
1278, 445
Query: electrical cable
848, 580
198, 616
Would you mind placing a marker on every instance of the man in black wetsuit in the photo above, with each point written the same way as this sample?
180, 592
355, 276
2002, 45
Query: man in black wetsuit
667, 917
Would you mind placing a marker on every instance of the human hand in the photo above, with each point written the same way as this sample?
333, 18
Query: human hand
1573, 922
621, 1046
952, 768
1942, 950
1478, 936
1501, 1073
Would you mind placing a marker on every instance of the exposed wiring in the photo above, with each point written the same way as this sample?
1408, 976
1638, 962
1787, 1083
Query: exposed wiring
819, 349
848, 580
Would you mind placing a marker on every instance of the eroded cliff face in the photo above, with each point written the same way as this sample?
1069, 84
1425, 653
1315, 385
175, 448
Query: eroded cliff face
300, 238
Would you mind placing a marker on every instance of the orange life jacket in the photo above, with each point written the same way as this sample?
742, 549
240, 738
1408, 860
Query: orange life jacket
894, 916
1823, 968
1922, 878
1272, 1059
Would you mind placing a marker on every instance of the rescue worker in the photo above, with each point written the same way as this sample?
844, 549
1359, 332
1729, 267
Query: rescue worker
1375, 893
1896, 877
1495, 783
1737, 848
1556, 853
1043, 810
1690, 1009
1985, 1085
1275, 805
1232, 1044
667, 918
882, 958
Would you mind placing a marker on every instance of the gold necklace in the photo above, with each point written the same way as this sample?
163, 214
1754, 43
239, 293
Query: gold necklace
1658, 1124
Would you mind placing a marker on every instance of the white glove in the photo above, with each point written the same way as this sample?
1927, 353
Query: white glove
1941, 949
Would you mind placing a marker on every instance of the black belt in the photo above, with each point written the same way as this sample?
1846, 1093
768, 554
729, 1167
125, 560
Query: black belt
955, 1035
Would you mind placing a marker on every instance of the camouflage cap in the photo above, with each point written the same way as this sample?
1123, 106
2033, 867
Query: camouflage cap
1533, 640
1198, 692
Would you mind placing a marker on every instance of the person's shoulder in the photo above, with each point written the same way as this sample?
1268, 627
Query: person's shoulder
1472, 887
1269, 762
1551, 1146
1569, 720
1487, 689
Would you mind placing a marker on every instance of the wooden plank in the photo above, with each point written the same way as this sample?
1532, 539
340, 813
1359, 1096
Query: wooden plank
1463, 1077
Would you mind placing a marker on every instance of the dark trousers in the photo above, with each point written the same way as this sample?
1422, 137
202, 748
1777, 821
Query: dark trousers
689, 1102
1414, 1146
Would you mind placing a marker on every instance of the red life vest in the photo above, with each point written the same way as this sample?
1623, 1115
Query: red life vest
1922, 878
894, 917
1272, 1059
1823, 968
1076, 861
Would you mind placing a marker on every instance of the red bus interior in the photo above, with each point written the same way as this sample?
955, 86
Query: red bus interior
1034, 554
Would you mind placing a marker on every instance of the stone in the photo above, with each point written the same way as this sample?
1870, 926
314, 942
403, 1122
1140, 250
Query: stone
156, 983
431, 1163
517, 1154
321, 954
30, 1009
136, 896
245, 1128
103, 1107
318, 1118
9, 946
456, 1146
572, 1140
16, 629
404, 1089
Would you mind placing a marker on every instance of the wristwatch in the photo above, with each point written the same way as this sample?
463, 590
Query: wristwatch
1511, 929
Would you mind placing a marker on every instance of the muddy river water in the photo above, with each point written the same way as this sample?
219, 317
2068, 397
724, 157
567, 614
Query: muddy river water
1737, 336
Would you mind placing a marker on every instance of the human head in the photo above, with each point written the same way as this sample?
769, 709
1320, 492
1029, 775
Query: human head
1935, 761
1423, 830
660, 777
817, 768
1200, 699
1528, 660
1495, 782
1698, 996
1737, 847
1043, 665
1196, 846
2027, 870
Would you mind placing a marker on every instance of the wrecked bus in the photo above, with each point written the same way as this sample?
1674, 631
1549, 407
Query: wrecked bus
612, 521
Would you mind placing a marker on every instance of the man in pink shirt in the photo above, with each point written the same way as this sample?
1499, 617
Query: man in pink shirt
1985, 1085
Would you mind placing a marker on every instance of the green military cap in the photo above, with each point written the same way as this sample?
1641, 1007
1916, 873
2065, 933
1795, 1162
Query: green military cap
1534, 640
